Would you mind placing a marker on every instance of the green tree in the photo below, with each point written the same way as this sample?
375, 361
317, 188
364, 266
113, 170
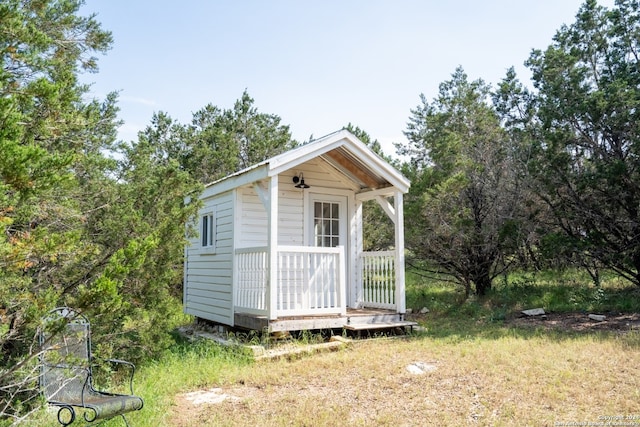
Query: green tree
514, 104
135, 294
50, 141
221, 142
587, 145
79, 227
463, 201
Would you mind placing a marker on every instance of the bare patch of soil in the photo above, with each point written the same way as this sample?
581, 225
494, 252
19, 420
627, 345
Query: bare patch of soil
579, 322
194, 405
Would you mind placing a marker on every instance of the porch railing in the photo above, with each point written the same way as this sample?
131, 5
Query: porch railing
378, 279
251, 280
310, 280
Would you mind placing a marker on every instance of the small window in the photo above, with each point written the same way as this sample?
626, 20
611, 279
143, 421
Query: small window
208, 231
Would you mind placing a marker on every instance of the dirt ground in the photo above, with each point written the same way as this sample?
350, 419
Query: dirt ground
579, 322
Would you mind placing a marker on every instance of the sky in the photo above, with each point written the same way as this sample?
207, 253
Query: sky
318, 65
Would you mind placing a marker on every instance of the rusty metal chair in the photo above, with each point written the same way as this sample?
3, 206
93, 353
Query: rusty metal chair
66, 377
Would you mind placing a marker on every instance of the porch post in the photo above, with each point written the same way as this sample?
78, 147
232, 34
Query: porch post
399, 226
342, 278
355, 284
272, 236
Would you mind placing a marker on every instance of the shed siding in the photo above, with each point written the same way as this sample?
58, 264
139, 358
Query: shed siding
208, 290
253, 217
290, 212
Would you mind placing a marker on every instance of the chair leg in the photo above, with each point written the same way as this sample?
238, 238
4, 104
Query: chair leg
65, 421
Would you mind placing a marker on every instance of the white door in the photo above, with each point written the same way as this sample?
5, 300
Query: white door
328, 229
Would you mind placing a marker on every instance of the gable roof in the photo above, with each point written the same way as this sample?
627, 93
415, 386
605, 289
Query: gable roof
342, 150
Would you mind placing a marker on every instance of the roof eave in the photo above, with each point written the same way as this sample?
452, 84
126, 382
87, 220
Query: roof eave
290, 159
323, 145
244, 177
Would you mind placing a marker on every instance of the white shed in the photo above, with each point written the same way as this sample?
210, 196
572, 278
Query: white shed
280, 243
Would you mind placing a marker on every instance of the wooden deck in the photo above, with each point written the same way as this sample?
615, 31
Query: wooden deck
355, 320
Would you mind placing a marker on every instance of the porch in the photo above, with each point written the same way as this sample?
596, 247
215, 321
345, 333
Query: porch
354, 320
312, 289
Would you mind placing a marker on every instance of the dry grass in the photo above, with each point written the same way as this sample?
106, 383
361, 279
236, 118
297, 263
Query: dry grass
528, 379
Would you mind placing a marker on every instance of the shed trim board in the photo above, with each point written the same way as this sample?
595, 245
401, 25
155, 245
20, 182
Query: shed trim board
261, 217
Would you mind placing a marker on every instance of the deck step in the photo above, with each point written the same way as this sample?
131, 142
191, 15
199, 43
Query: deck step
379, 325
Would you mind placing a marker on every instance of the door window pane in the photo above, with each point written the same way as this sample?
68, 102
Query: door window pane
326, 224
